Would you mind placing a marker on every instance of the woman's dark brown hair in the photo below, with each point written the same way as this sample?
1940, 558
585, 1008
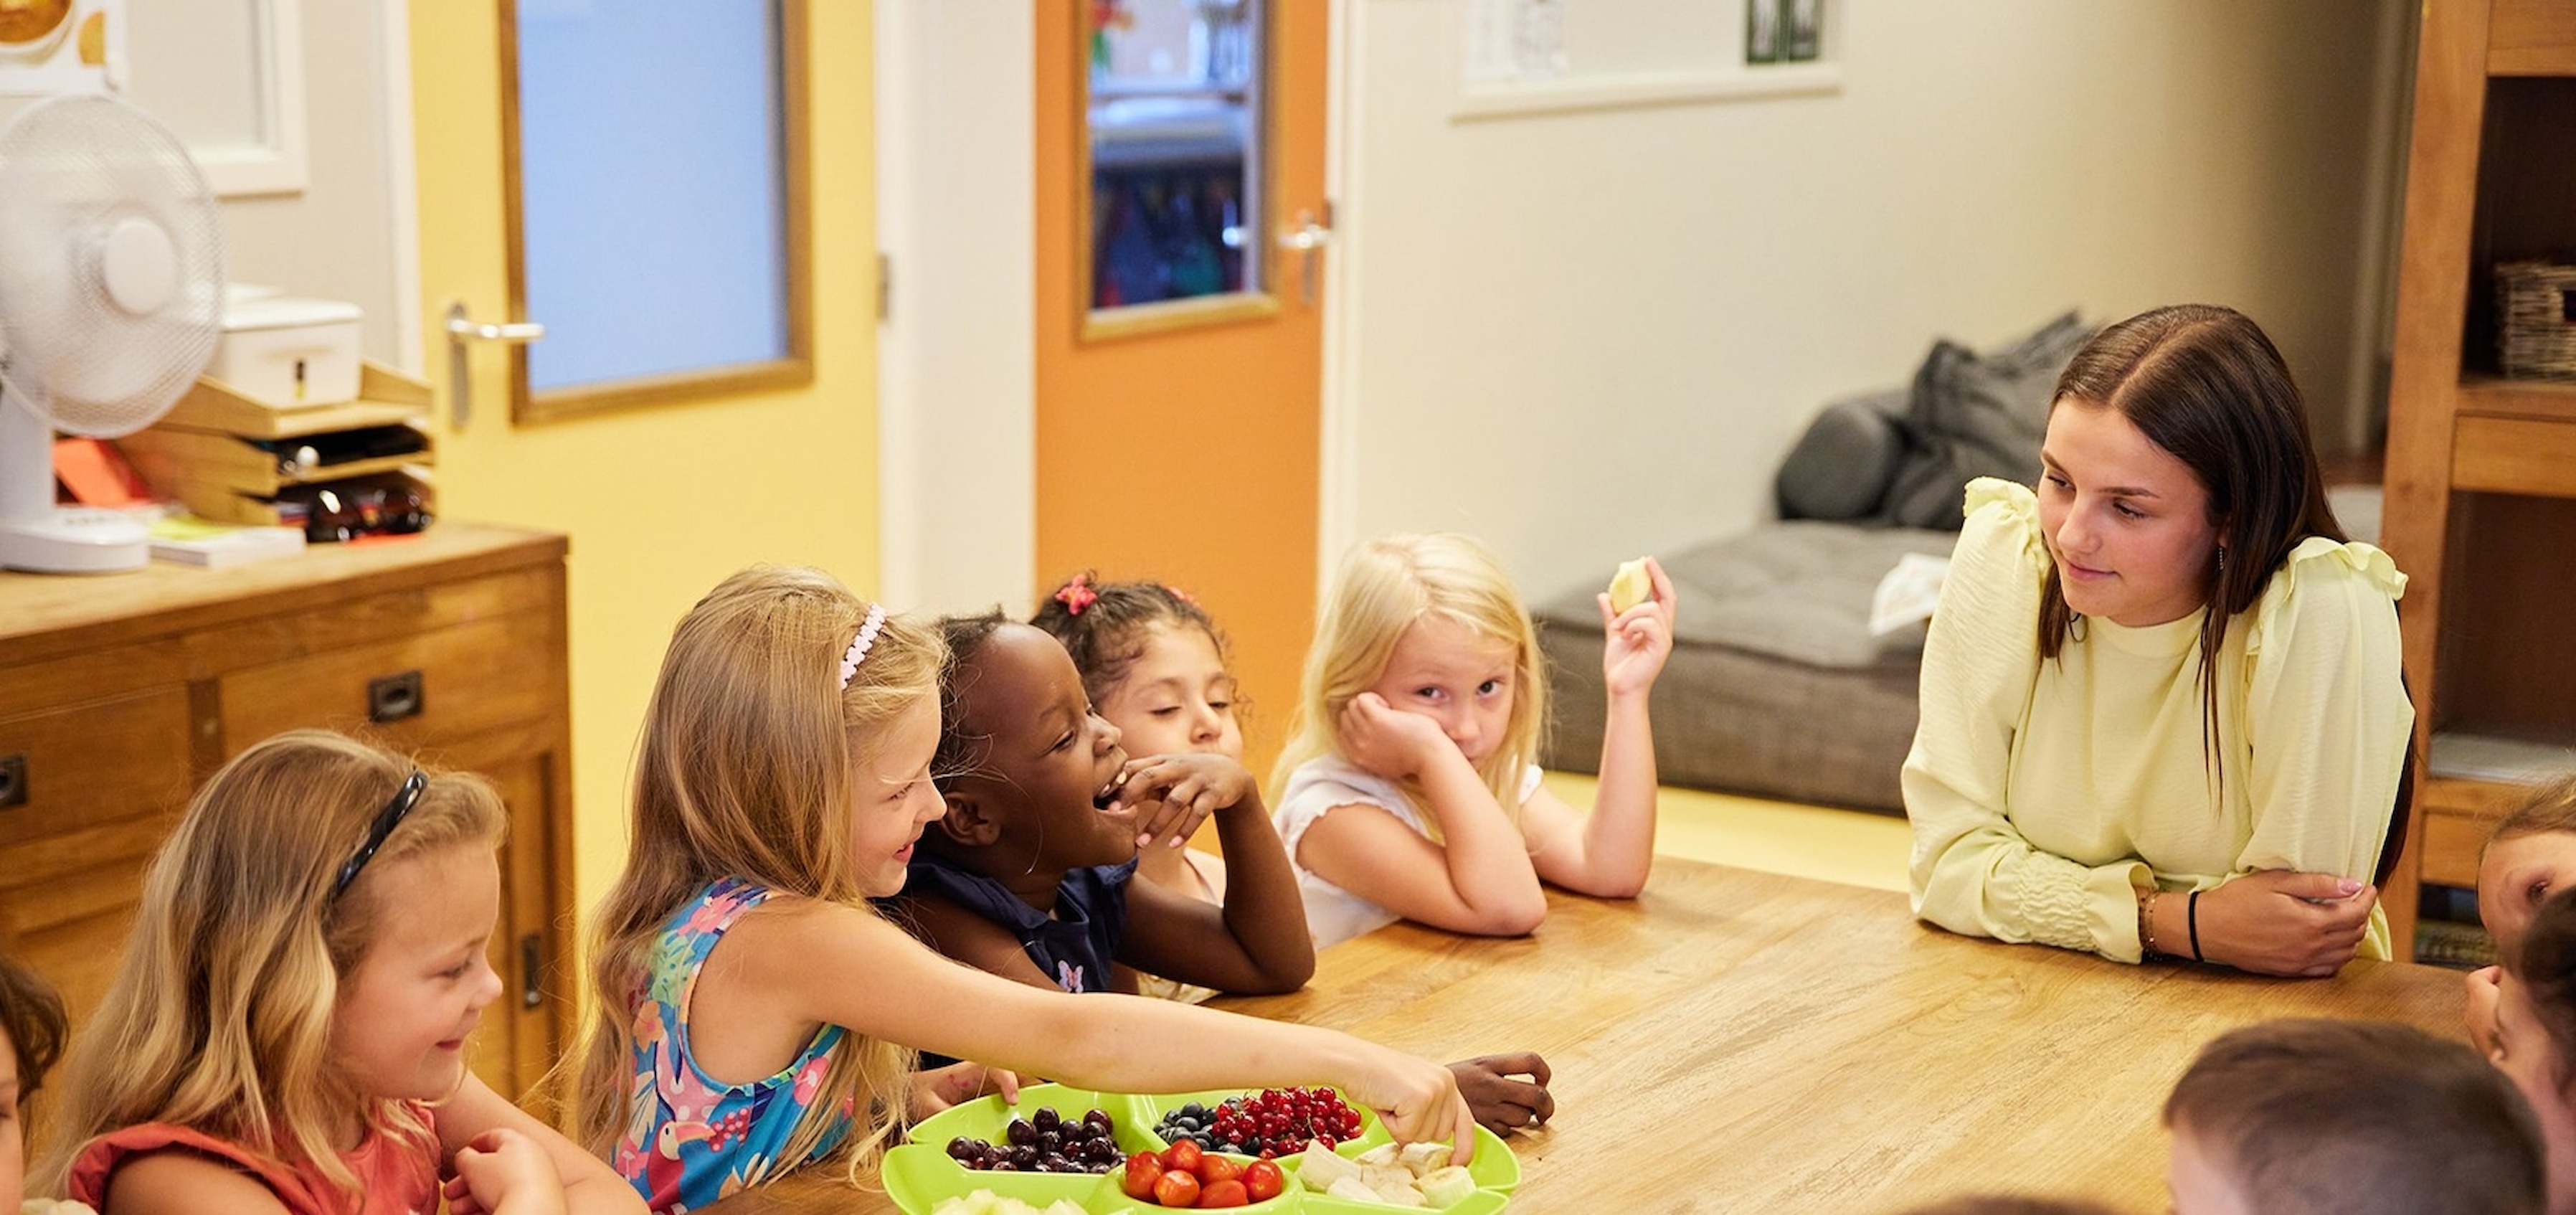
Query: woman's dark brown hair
2203, 383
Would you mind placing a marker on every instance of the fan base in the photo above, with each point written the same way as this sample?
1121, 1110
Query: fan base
74, 540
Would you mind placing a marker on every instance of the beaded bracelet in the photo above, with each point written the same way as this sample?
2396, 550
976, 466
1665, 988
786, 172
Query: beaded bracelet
2147, 919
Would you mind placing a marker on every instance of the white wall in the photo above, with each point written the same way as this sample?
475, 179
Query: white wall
337, 237
957, 368
1583, 336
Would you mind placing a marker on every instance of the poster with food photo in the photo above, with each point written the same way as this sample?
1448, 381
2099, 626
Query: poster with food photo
60, 46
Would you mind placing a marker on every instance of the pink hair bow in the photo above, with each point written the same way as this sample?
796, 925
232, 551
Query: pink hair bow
1076, 595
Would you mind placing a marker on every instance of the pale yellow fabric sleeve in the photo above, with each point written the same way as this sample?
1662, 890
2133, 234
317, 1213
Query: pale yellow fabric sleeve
1972, 872
2326, 717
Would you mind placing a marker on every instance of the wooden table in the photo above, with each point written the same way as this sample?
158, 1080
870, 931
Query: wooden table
1737, 1041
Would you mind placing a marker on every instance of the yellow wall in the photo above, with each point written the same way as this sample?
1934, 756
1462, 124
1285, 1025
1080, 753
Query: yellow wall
660, 502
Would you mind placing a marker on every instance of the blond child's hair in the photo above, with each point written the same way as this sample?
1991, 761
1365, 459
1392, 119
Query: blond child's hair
2550, 808
1384, 586
219, 1019
749, 753
2358, 1117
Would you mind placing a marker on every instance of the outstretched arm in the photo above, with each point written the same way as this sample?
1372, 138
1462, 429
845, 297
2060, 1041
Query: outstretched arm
846, 966
955, 932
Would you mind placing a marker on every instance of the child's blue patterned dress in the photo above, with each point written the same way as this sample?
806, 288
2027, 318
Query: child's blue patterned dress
690, 1140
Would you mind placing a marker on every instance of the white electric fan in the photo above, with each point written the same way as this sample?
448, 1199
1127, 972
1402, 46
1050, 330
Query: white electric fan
111, 299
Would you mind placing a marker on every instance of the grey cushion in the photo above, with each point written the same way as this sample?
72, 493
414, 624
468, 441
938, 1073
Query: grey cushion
1797, 590
1841, 466
1775, 687
1977, 415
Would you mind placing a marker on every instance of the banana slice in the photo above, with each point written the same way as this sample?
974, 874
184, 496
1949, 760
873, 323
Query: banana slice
1631, 585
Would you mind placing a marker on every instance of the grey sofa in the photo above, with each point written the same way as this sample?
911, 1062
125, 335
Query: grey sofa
1776, 687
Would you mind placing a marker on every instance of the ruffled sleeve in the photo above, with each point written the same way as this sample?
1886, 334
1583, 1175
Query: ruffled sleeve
2327, 718
1972, 872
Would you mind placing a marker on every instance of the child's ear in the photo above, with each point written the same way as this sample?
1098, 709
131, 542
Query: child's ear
969, 823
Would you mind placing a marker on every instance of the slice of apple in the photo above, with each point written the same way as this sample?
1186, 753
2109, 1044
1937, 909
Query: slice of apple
1631, 586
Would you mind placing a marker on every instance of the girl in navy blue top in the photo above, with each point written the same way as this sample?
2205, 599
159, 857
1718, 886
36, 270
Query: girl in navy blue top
1027, 873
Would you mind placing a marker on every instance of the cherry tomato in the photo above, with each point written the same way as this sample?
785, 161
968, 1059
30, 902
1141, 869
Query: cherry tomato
1184, 1156
1224, 1194
1177, 1189
1213, 1168
1262, 1180
1143, 1170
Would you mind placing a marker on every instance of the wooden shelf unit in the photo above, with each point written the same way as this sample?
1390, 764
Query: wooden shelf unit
2481, 470
120, 693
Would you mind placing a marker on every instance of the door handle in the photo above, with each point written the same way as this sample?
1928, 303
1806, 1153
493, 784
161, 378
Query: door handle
462, 329
1307, 240
531, 971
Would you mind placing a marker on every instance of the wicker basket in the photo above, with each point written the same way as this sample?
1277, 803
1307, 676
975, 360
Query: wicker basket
2536, 319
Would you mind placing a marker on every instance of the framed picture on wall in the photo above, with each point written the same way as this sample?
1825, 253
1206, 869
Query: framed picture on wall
60, 46
1762, 31
1802, 32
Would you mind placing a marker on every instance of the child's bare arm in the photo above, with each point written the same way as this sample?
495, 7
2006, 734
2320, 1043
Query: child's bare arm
589, 1187
503, 1172
1477, 879
1608, 852
1257, 942
178, 1182
815, 962
1361, 847
953, 931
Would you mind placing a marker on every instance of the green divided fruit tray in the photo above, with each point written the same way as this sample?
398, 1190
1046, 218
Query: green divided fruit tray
920, 1174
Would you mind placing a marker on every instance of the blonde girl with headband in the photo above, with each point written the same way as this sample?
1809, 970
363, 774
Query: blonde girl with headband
287, 1031
1412, 774
756, 1015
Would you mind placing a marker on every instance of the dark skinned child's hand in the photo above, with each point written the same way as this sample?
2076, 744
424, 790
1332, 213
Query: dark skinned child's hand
1503, 1104
1170, 795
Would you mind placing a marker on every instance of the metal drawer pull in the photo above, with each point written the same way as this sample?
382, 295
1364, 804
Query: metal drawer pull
13, 780
394, 697
531, 962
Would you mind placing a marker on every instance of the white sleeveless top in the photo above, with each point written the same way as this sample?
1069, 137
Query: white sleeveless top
1335, 915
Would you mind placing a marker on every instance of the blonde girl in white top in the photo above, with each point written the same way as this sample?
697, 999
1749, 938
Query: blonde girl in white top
1412, 775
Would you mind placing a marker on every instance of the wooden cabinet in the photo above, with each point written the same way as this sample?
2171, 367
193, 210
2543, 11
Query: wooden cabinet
119, 693
2481, 475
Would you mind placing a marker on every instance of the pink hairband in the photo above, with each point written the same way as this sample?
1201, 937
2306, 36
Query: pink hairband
858, 651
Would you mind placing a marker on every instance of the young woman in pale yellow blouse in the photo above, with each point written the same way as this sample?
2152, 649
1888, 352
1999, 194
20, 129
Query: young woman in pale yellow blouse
2161, 704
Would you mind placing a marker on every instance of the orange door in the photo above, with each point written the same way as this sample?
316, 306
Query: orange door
1182, 444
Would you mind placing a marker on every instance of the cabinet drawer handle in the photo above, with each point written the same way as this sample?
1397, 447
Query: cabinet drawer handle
393, 697
531, 962
13, 780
